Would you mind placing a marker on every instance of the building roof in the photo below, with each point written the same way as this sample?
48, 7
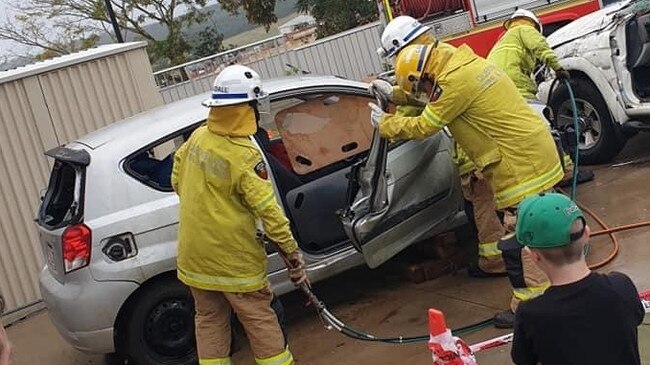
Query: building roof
68, 60
300, 19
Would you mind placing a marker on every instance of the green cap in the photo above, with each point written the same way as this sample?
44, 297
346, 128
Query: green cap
545, 220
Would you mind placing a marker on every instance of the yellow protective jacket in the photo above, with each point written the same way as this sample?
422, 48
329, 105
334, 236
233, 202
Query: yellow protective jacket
220, 178
506, 139
407, 107
517, 52
464, 163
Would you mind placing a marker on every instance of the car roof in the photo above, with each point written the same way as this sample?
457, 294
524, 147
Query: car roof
156, 123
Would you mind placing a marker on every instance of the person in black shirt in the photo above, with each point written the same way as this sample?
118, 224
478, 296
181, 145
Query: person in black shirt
583, 317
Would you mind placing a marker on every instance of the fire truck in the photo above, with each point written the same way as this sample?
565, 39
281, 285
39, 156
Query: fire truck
479, 23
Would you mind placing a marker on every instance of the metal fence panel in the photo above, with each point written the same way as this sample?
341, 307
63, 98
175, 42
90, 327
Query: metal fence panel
74, 94
43, 106
25, 173
351, 54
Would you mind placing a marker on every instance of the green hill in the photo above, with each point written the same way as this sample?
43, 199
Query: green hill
227, 24
258, 33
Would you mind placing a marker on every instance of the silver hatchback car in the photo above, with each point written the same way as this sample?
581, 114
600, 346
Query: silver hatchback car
108, 221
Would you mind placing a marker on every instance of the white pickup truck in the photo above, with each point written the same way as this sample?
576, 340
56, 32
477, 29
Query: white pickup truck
608, 55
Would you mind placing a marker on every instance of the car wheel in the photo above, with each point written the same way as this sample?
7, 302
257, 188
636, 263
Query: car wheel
601, 137
160, 328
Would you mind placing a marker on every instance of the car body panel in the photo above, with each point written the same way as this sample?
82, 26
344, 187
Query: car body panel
118, 204
588, 24
84, 310
405, 194
595, 45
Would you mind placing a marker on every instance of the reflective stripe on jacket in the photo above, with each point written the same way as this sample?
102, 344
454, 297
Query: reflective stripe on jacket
517, 52
223, 190
502, 135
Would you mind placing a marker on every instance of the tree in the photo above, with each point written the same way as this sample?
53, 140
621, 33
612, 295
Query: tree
65, 26
260, 12
335, 16
207, 42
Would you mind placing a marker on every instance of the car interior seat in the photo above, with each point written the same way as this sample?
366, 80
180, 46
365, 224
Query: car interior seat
285, 179
153, 170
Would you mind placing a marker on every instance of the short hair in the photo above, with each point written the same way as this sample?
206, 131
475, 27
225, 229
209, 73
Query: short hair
569, 254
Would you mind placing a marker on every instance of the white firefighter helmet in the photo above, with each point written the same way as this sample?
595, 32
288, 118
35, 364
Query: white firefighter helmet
526, 14
399, 33
234, 85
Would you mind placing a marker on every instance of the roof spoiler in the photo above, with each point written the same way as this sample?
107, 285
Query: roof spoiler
77, 157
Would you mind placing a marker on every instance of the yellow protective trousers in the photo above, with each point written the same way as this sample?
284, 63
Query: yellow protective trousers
489, 228
527, 280
213, 332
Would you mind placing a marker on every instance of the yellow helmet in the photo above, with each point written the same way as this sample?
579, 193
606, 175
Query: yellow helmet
410, 65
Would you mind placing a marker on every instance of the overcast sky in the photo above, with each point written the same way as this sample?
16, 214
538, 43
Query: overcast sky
6, 46
11, 48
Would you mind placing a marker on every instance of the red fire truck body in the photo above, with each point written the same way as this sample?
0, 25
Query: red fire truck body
479, 23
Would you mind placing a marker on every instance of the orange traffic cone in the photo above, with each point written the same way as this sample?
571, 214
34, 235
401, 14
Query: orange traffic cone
445, 348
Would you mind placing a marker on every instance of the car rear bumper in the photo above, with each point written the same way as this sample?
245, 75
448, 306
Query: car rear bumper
84, 310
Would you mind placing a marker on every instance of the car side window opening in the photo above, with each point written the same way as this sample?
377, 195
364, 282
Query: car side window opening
153, 166
310, 142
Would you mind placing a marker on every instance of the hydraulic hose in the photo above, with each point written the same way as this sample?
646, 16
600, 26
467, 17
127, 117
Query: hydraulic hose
574, 185
576, 156
330, 321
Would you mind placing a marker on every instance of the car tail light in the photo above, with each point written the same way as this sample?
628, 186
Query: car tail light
76, 247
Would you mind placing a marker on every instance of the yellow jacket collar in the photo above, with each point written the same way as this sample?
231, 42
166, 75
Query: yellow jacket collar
450, 60
521, 21
439, 59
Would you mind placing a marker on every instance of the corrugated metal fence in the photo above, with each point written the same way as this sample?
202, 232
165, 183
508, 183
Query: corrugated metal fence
43, 106
351, 54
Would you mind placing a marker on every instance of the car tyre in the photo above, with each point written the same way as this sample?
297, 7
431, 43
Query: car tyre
596, 120
159, 330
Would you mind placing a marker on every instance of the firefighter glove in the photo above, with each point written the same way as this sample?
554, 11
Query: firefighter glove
382, 87
562, 74
297, 272
375, 114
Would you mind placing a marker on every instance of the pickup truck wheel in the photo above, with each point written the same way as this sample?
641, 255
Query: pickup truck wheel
601, 138
160, 327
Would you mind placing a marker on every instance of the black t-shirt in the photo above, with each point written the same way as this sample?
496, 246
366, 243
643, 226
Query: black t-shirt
592, 321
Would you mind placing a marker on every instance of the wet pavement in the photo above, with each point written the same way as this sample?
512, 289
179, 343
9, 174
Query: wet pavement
382, 302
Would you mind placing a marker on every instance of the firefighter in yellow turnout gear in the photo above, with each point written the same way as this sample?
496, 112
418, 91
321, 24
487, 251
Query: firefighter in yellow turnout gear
508, 142
517, 52
403, 31
221, 181
520, 48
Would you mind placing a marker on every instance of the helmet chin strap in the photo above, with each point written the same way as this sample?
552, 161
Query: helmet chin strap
253, 104
433, 88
